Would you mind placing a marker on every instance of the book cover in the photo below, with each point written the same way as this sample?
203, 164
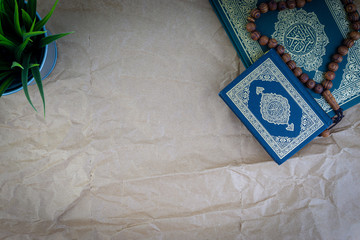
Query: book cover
310, 35
275, 107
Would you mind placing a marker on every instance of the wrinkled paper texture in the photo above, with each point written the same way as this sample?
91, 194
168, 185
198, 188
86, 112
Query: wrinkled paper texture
136, 143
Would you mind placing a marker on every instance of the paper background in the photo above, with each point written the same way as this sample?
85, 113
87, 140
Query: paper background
136, 143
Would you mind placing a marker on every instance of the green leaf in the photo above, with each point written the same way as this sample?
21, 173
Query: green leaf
34, 65
26, 18
43, 21
17, 20
32, 34
16, 64
20, 49
31, 8
6, 42
36, 73
49, 39
25, 76
32, 26
5, 85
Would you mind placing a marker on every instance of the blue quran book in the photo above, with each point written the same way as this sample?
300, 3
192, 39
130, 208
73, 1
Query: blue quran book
275, 107
310, 35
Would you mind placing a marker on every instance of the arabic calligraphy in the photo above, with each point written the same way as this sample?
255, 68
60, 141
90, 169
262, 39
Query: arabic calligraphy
300, 38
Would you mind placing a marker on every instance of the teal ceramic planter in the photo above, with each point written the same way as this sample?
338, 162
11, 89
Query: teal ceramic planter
47, 64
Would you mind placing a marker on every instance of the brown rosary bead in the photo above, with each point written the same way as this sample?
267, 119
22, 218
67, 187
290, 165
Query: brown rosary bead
308, 0
337, 58
291, 4
342, 50
310, 84
297, 71
347, 1
325, 133
300, 3
250, 27
356, 25
272, 5
355, 35
327, 84
255, 13
291, 64
286, 57
280, 50
282, 5
353, 17
318, 88
304, 78
263, 7
333, 66
255, 35
329, 75
350, 7
263, 40
331, 100
348, 42
272, 43
251, 19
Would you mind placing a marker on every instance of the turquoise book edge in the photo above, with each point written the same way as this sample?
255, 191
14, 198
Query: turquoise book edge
322, 22
275, 107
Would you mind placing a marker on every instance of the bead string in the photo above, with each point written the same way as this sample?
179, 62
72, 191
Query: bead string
342, 50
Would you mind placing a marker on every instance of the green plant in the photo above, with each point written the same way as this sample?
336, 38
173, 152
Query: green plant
22, 40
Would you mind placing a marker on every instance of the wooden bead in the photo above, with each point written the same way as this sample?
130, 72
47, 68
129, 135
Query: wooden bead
350, 7
297, 72
263, 7
291, 64
329, 75
310, 84
337, 58
255, 35
255, 13
327, 84
272, 43
300, 3
342, 50
330, 100
308, 0
263, 40
250, 27
291, 4
355, 35
333, 66
325, 133
353, 17
348, 42
346, 1
286, 57
304, 78
356, 26
281, 5
272, 5
280, 50
251, 19
318, 88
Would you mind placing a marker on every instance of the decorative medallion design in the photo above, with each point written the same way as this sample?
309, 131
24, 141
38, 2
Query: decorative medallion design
303, 36
274, 108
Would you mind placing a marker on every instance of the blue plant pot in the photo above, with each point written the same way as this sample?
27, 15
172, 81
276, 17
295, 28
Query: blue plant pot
48, 56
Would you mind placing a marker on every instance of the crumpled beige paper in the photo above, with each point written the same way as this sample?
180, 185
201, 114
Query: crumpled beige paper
136, 143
